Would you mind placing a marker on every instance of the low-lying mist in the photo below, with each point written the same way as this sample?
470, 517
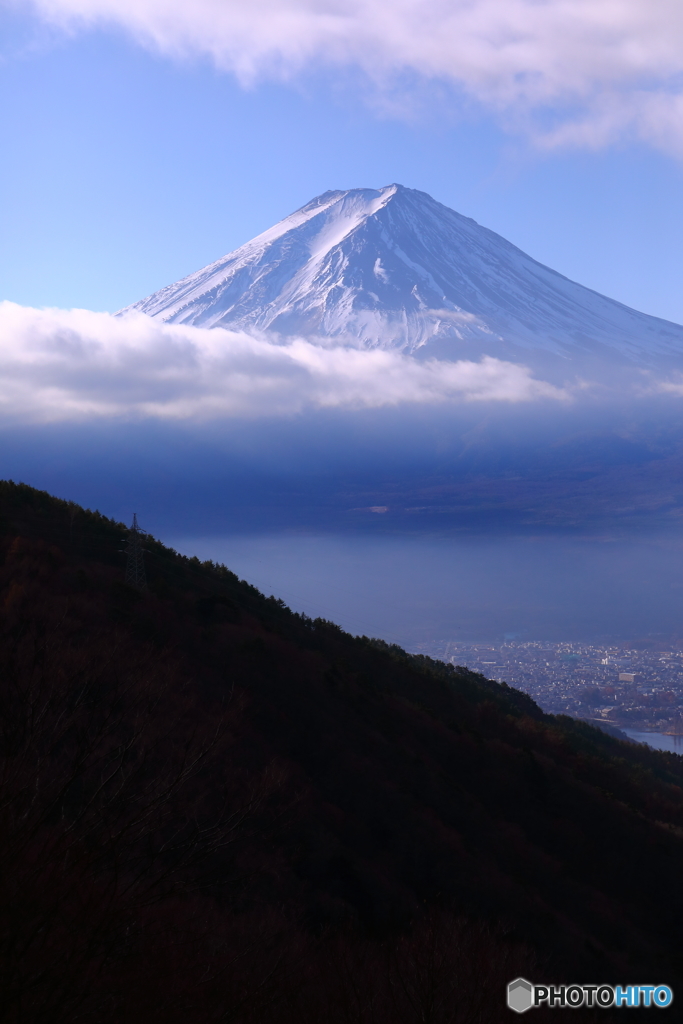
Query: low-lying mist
416, 590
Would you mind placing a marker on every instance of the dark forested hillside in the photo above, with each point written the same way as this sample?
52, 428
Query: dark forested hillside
214, 809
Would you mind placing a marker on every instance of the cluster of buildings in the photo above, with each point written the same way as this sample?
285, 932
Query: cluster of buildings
637, 685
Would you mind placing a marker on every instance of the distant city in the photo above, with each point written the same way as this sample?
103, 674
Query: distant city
636, 686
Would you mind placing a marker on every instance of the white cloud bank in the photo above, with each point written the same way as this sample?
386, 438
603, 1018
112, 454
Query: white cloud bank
60, 365
593, 70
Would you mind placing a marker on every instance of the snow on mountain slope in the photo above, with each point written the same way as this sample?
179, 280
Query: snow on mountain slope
393, 268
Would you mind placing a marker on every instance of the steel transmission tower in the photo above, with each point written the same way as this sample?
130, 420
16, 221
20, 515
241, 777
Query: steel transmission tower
135, 561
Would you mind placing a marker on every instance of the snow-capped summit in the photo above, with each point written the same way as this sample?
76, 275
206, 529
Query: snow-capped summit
393, 268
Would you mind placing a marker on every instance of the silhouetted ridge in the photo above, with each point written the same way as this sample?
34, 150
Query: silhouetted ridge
213, 808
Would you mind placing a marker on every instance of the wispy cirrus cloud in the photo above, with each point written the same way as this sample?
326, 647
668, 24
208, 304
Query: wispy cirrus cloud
57, 365
567, 72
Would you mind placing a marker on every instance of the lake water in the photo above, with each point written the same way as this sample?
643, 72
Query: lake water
414, 589
658, 740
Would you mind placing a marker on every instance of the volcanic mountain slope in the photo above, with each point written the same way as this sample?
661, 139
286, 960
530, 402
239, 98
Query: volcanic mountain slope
215, 809
393, 268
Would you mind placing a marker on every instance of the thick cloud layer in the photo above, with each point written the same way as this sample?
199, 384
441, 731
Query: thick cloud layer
229, 432
603, 68
59, 365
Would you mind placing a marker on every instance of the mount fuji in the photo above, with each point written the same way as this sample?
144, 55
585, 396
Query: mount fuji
393, 268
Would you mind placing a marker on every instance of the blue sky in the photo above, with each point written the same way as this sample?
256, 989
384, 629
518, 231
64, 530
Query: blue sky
125, 168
